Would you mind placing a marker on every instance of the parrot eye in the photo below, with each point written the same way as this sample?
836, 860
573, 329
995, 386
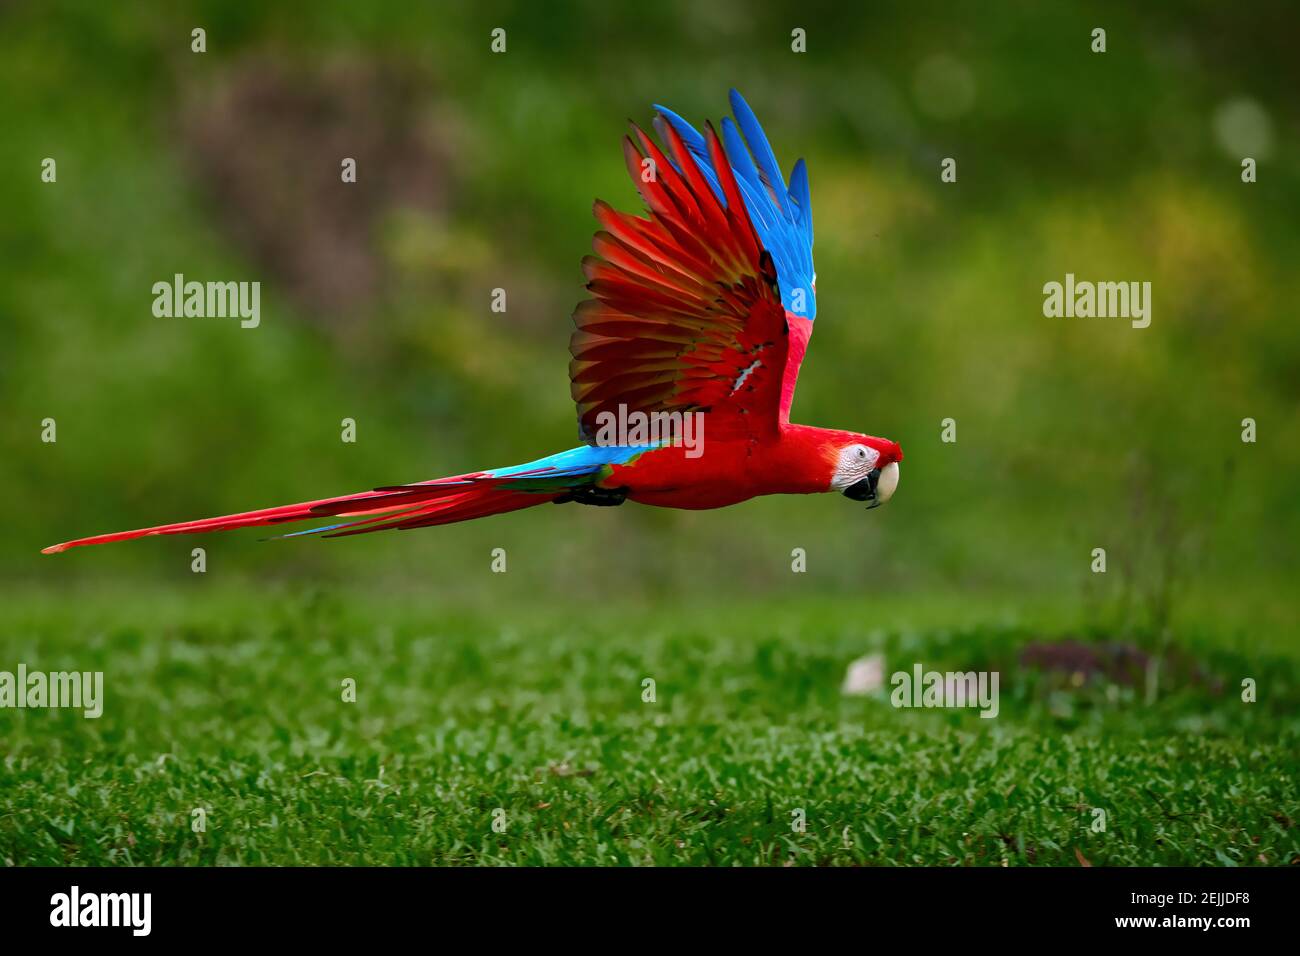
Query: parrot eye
862, 453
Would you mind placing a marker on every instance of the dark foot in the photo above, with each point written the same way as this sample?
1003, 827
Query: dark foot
591, 495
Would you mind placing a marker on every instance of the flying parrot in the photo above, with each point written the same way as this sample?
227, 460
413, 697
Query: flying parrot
702, 307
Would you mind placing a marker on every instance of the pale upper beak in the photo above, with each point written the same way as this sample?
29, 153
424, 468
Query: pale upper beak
888, 482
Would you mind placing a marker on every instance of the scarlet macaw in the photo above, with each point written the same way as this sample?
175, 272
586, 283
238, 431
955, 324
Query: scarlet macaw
703, 306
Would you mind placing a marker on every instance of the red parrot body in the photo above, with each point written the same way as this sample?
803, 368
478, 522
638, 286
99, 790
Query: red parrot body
703, 308
799, 461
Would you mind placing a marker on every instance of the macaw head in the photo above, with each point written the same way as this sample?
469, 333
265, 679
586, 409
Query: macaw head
866, 468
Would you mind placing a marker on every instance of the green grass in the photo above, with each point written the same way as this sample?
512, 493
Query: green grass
232, 702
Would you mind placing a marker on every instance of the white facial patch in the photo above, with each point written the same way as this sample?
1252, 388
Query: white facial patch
854, 464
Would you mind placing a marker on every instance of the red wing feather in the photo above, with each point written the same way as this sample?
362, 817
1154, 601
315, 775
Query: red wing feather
687, 315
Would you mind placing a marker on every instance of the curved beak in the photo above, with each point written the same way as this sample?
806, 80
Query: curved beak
877, 488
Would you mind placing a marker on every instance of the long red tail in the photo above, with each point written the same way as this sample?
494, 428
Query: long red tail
441, 501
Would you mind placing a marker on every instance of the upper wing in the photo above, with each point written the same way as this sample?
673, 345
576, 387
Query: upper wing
781, 216
706, 303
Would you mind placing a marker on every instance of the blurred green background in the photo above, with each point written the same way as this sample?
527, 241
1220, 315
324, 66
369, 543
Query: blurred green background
477, 171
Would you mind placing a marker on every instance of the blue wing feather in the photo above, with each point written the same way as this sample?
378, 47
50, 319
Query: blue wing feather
761, 149
583, 460
782, 216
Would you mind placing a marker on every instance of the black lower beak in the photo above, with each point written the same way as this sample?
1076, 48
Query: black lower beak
865, 490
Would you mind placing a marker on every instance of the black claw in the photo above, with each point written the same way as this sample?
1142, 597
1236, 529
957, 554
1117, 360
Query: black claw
591, 495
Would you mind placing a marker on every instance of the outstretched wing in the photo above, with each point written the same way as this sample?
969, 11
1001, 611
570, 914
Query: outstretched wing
706, 303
